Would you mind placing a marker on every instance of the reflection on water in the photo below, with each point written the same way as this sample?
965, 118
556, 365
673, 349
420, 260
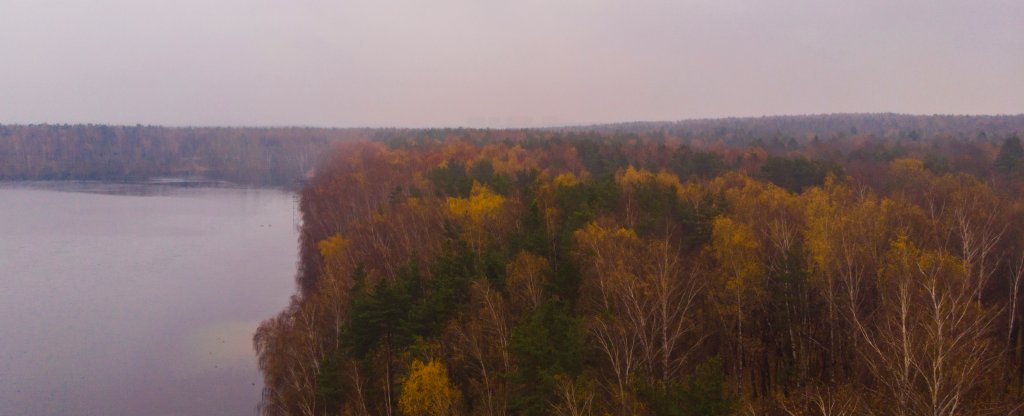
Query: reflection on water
138, 299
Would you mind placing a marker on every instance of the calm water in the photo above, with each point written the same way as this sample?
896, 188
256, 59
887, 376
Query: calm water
138, 299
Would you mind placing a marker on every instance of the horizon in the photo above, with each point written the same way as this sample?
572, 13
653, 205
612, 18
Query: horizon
517, 65
551, 127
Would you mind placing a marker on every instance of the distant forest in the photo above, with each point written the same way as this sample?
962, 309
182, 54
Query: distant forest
285, 156
251, 156
818, 265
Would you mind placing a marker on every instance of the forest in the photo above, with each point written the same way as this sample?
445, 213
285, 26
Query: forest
248, 156
777, 266
287, 156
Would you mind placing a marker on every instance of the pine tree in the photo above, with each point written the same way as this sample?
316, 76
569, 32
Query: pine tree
1010, 155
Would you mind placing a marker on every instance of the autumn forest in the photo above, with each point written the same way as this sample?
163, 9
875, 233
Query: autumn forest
829, 265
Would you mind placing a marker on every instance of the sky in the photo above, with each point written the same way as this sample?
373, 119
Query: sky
489, 63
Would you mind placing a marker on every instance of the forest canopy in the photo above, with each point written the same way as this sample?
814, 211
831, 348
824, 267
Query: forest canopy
647, 273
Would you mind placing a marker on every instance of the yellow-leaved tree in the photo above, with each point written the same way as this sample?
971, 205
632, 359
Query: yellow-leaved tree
428, 392
641, 300
526, 276
482, 204
333, 251
929, 339
335, 283
480, 214
631, 179
740, 278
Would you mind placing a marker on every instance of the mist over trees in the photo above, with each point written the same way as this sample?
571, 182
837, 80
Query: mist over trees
278, 156
284, 155
638, 270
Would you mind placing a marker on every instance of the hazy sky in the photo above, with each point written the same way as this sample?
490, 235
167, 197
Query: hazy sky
500, 63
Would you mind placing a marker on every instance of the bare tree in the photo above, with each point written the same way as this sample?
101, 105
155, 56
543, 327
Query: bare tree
929, 342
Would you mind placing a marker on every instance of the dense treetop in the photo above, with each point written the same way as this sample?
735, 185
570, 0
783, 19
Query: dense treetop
646, 272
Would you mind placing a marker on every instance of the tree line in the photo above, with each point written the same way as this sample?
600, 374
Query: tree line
574, 273
252, 156
288, 155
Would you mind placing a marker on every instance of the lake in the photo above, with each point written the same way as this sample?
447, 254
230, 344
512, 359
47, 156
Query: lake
138, 299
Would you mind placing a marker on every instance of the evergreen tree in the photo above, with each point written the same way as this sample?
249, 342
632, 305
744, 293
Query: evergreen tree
548, 343
1010, 155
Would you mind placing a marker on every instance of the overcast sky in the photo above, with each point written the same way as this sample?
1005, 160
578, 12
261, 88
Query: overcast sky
418, 63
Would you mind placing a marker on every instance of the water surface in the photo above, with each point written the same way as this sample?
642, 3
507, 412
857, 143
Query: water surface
138, 299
